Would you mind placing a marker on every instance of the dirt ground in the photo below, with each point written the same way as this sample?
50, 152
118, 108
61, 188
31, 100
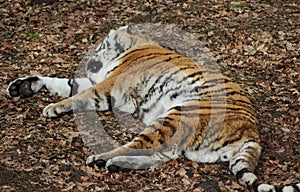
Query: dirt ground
256, 43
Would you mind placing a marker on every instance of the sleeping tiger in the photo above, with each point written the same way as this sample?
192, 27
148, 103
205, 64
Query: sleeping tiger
186, 109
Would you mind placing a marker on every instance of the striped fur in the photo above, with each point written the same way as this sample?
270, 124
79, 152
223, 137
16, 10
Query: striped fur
186, 109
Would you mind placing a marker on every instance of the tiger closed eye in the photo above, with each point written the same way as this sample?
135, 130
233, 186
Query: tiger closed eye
94, 66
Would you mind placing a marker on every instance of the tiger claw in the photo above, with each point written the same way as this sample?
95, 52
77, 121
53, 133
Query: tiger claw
50, 111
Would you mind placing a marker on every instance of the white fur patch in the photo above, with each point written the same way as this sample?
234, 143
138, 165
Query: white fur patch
266, 188
134, 162
248, 178
208, 156
288, 189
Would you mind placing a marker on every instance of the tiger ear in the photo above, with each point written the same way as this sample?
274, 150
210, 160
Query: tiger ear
125, 29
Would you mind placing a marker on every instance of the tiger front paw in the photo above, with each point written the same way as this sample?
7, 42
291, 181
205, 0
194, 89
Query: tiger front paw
93, 160
22, 87
121, 163
56, 109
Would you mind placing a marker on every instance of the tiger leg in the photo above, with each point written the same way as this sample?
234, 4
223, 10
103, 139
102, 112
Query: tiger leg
243, 164
160, 142
30, 86
124, 158
97, 97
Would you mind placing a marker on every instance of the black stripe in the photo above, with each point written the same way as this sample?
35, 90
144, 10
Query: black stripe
138, 141
97, 99
197, 107
136, 60
92, 81
239, 102
70, 83
152, 88
99, 46
176, 108
217, 81
240, 173
297, 189
249, 141
186, 114
204, 74
165, 61
143, 113
161, 140
146, 138
255, 186
134, 50
248, 111
236, 108
165, 118
186, 108
180, 69
71, 86
55, 112
174, 96
118, 48
211, 112
74, 87
222, 92
96, 93
234, 137
237, 161
168, 125
147, 56
246, 115
278, 188
97, 103
107, 44
201, 88
110, 102
157, 81
147, 110
195, 80
125, 55
192, 75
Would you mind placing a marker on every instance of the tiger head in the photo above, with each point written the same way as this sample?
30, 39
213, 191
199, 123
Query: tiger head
106, 54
